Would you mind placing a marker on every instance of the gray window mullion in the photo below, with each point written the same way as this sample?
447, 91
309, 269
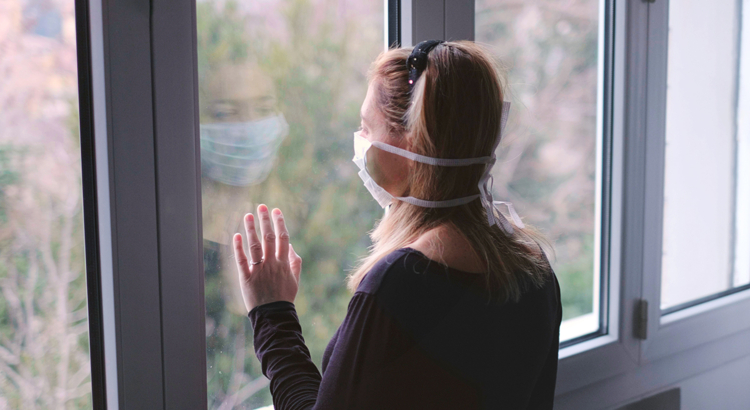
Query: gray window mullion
436, 19
126, 194
422, 20
175, 86
459, 19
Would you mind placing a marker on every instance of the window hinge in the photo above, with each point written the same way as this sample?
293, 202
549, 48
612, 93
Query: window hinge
640, 318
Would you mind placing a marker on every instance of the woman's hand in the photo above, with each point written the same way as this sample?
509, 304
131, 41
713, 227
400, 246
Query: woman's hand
272, 272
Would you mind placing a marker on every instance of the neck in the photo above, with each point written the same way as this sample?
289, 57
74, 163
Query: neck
445, 244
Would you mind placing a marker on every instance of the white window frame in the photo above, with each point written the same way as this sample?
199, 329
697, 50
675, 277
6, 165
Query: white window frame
680, 344
706, 322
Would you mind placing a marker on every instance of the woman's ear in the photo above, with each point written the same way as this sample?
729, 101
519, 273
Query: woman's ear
407, 141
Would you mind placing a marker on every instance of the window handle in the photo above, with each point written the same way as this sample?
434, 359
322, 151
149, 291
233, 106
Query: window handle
640, 319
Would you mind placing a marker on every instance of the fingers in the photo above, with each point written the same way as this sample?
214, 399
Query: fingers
295, 262
256, 249
282, 235
239, 255
266, 233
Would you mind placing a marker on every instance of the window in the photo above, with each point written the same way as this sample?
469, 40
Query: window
551, 161
281, 86
693, 145
706, 240
278, 86
44, 347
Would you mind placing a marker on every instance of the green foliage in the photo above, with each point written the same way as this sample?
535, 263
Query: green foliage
575, 277
8, 176
221, 35
43, 321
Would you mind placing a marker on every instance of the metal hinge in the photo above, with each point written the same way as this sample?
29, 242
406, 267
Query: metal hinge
640, 319
650, 1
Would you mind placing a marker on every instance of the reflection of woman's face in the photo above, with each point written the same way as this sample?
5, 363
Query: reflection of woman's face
238, 93
388, 170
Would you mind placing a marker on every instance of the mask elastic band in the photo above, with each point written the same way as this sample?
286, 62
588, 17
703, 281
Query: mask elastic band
443, 162
437, 204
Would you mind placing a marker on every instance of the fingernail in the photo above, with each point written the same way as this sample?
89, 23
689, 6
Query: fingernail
277, 211
263, 208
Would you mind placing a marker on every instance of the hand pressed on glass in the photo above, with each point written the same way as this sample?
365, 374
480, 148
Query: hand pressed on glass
272, 272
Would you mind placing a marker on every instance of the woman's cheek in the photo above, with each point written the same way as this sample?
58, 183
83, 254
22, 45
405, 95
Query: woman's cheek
374, 167
387, 170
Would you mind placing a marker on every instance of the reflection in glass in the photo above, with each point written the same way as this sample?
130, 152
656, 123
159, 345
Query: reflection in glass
281, 84
44, 351
706, 239
548, 164
241, 130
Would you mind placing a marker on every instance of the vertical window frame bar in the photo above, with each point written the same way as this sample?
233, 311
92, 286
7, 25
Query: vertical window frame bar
144, 88
617, 352
90, 214
174, 71
392, 23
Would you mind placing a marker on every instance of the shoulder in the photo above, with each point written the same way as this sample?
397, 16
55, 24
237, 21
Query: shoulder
385, 270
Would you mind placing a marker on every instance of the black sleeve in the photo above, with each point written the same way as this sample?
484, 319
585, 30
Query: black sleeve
283, 356
359, 355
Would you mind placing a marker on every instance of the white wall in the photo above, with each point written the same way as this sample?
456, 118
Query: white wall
723, 388
703, 384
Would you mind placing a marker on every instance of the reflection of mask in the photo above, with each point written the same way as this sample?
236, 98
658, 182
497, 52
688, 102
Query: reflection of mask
241, 153
384, 198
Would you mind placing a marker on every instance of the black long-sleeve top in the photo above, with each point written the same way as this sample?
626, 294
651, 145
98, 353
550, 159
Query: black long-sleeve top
418, 335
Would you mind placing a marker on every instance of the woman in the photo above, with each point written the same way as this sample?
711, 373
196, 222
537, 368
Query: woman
455, 307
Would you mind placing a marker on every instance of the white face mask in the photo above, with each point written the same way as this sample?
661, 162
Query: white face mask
241, 153
384, 198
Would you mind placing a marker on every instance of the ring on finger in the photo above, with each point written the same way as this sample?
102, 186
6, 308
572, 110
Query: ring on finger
255, 263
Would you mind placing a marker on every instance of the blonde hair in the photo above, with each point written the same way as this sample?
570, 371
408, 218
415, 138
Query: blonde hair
453, 111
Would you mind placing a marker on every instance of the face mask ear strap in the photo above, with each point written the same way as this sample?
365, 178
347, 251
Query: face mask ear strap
494, 216
443, 162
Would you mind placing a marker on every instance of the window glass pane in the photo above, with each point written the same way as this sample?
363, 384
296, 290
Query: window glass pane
706, 205
548, 164
293, 73
44, 351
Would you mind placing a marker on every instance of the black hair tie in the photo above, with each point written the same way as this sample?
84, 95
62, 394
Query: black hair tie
417, 61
